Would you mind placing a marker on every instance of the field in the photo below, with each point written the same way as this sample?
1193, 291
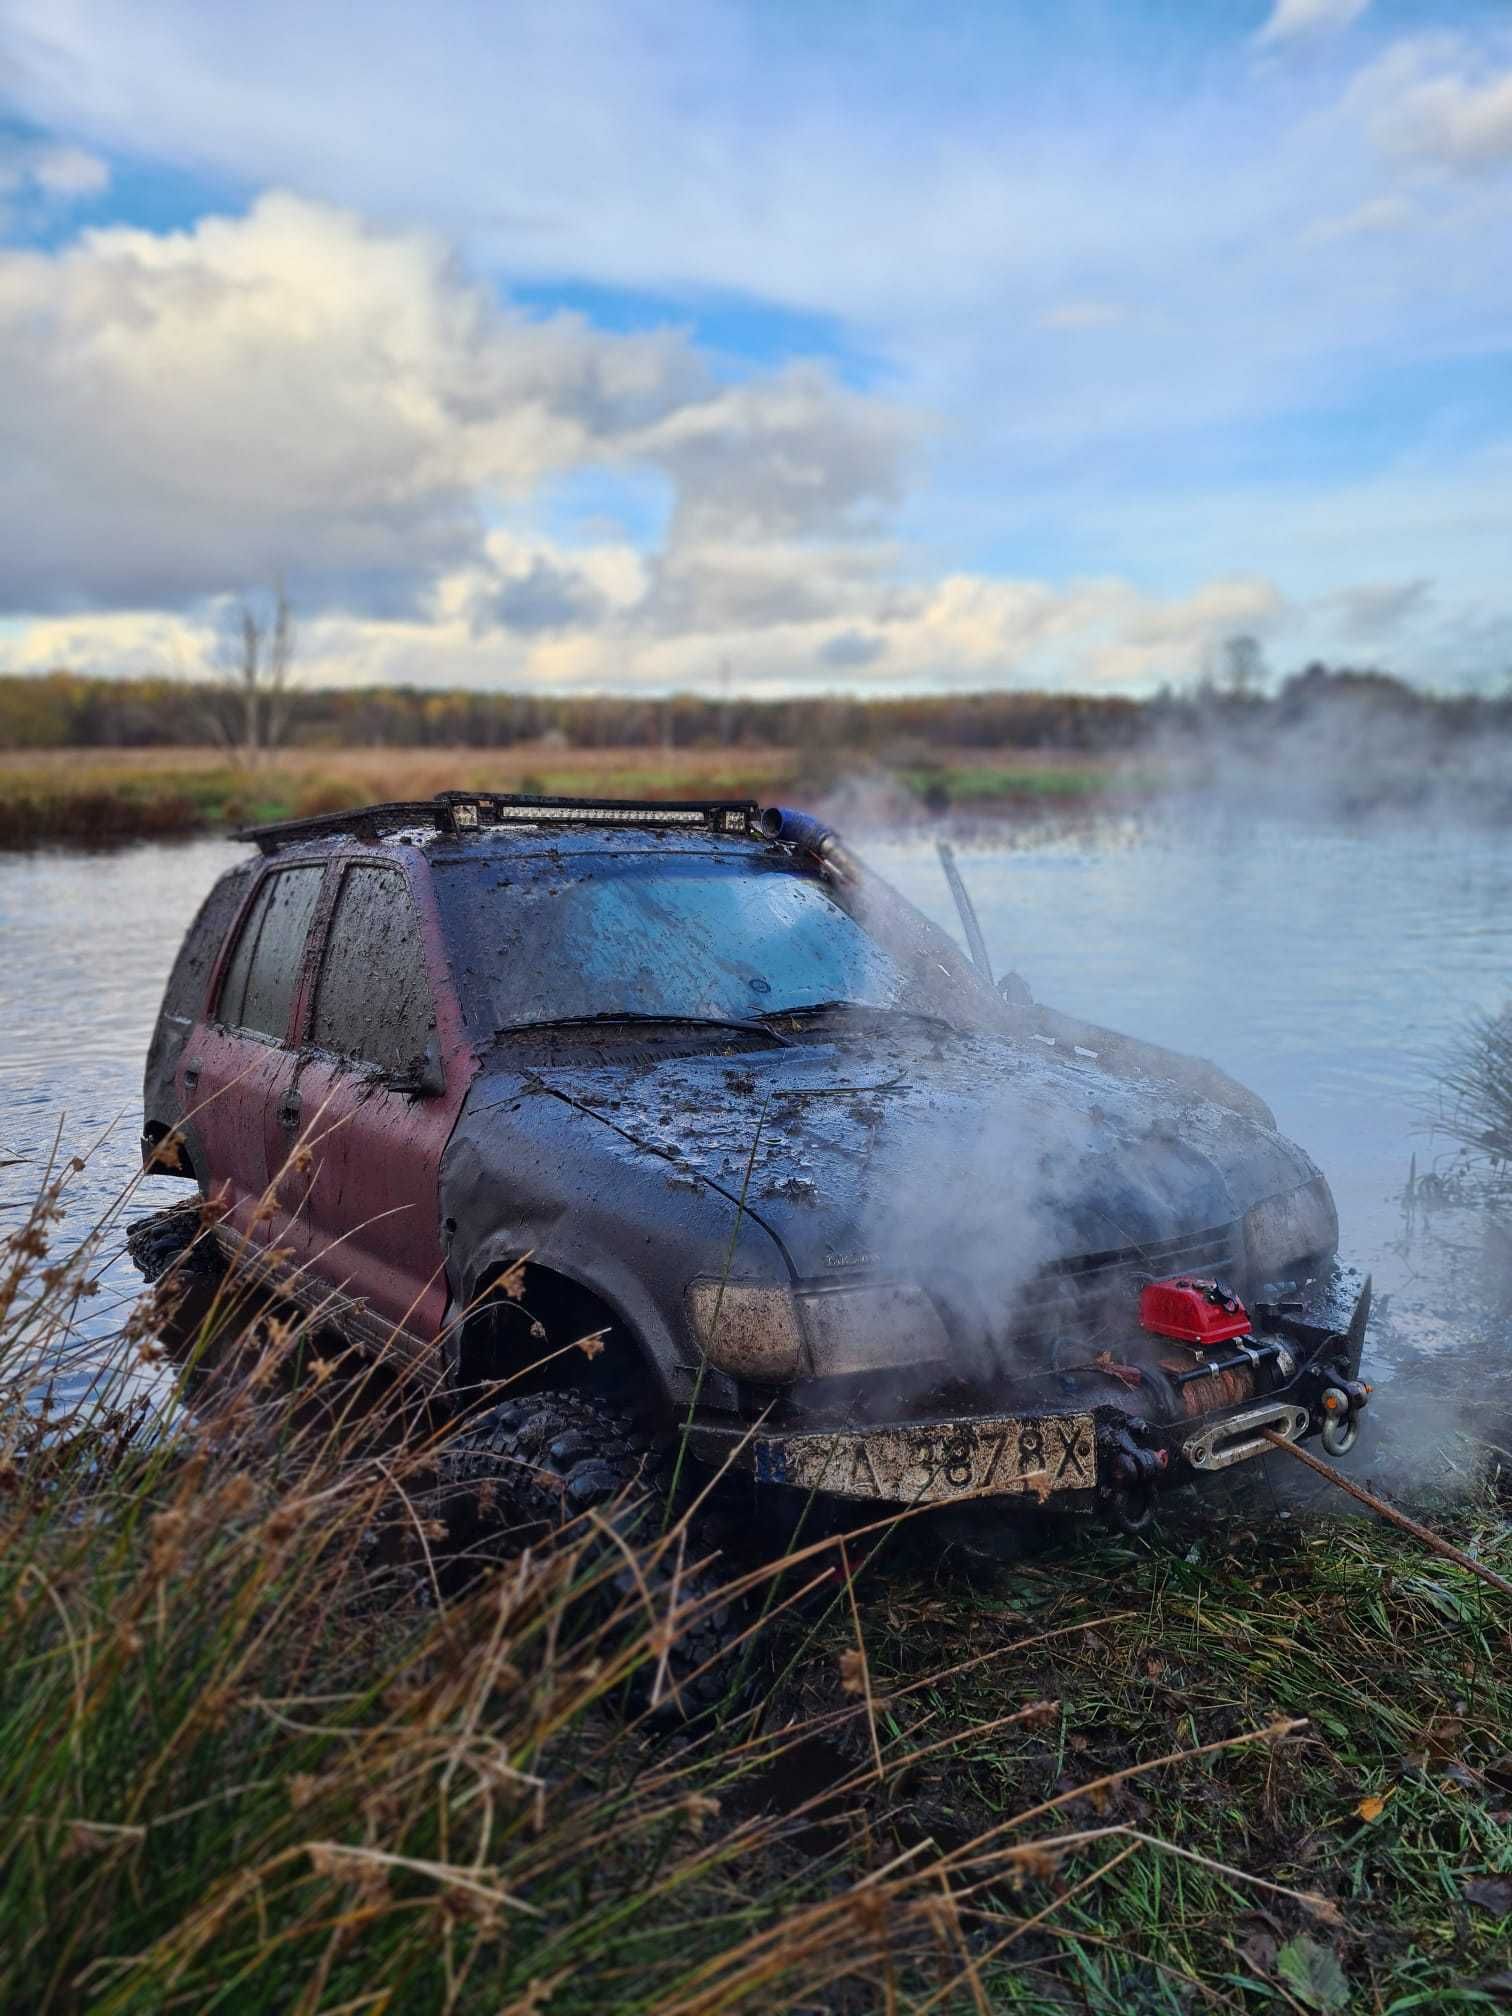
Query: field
248, 1759
97, 796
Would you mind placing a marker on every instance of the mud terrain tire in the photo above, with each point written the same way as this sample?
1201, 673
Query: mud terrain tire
176, 1237
534, 1465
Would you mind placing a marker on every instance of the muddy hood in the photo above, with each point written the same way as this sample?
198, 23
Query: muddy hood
978, 1154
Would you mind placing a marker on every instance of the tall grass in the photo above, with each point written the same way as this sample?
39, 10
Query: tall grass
1475, 1081
248, 1760
251, 1758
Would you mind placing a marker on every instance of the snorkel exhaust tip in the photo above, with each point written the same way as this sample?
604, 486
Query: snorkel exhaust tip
812, 836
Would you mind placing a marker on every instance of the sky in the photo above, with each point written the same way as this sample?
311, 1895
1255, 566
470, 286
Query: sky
801, 346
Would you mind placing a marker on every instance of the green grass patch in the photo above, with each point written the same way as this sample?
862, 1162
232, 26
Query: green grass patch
985, 786
1391, 1806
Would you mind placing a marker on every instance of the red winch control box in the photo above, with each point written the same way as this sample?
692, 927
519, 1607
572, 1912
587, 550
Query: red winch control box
1192, 1311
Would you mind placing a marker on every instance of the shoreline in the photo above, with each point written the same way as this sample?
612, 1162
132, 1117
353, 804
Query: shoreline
87, 799
92, 799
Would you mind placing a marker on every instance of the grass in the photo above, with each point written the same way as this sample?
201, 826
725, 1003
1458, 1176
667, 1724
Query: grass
98, 797
1475, 1090
249, 1762
1394, 1796
1029, 779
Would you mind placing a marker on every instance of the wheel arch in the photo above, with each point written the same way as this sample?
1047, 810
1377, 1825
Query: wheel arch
166, 1151
532, 1323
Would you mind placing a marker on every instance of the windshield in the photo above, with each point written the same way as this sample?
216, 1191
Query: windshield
702, 937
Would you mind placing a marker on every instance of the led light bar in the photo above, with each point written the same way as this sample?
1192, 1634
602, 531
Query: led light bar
485, 808
594, 815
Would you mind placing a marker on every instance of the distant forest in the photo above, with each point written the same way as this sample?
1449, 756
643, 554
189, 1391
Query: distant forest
67, 710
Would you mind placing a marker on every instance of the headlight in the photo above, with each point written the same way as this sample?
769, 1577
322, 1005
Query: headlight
873, 1328
749, 1331
1286, 1232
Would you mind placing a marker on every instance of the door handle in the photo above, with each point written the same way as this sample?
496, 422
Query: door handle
289, 1112
191, 1075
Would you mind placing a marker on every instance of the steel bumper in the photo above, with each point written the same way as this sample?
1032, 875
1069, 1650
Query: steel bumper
1303, 1362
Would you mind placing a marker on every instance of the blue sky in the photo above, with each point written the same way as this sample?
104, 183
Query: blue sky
1024, 344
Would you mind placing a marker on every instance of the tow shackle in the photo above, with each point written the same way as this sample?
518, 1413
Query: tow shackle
1133, 1472
1340, 1406
1131, 1507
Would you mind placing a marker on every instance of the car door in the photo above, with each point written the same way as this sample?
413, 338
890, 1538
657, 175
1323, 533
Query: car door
239, 1060
372, 1107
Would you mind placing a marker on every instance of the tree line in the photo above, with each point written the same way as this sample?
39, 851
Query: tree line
65, 709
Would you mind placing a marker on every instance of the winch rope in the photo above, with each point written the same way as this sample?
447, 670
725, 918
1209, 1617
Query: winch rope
1429, 1539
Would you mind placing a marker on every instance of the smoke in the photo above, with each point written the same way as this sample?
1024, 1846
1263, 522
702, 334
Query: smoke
1346, 746
1004, 1175
1028, 1184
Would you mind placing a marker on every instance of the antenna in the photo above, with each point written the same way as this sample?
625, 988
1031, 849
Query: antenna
976, 943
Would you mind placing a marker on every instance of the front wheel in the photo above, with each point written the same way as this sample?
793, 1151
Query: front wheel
566, 1463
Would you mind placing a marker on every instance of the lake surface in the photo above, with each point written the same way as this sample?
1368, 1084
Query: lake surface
1323, 965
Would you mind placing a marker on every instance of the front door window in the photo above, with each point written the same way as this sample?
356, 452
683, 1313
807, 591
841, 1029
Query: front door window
373, 1000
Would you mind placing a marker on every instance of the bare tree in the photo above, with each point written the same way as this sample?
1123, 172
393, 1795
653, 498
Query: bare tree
252, 693
1244, 670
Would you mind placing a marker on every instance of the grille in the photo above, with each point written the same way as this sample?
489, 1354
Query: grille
1078, 1299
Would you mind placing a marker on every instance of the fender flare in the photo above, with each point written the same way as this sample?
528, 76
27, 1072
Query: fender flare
662, 1356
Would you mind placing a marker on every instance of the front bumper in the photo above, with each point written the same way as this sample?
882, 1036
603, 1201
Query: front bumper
1098, 1440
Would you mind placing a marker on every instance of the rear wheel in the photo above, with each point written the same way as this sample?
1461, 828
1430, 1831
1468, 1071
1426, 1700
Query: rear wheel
178, 1237
539, 1464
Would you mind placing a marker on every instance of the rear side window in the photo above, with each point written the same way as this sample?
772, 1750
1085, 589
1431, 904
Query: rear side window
373, 1000
258, 990
184, 999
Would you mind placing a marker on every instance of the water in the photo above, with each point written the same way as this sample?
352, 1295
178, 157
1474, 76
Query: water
86, 941
1322, 965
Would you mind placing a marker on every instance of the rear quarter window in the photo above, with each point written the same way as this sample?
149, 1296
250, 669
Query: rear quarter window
257, 992
184, 997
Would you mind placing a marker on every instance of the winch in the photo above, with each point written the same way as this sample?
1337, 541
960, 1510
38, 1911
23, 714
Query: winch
1202, 1314
1192, 1311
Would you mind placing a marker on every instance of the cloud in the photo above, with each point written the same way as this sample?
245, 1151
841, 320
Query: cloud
786, 455
740, 585
744, 162
1436, 103
1292, 18
966, 630
119, 643
850, 650
69, 172
321, 388
1380, 216
299, 392
546, 598
50, 169
304, 393
39, 178
1378, 611
1084, 315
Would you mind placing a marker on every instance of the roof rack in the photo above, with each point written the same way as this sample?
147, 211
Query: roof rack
461, 812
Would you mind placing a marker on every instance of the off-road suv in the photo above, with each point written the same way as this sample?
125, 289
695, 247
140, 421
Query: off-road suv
854, 1221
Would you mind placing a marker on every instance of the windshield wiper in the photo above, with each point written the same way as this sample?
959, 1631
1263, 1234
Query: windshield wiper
860, 1008
614, 1018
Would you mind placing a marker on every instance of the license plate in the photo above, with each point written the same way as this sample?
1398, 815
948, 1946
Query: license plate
953, 1459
